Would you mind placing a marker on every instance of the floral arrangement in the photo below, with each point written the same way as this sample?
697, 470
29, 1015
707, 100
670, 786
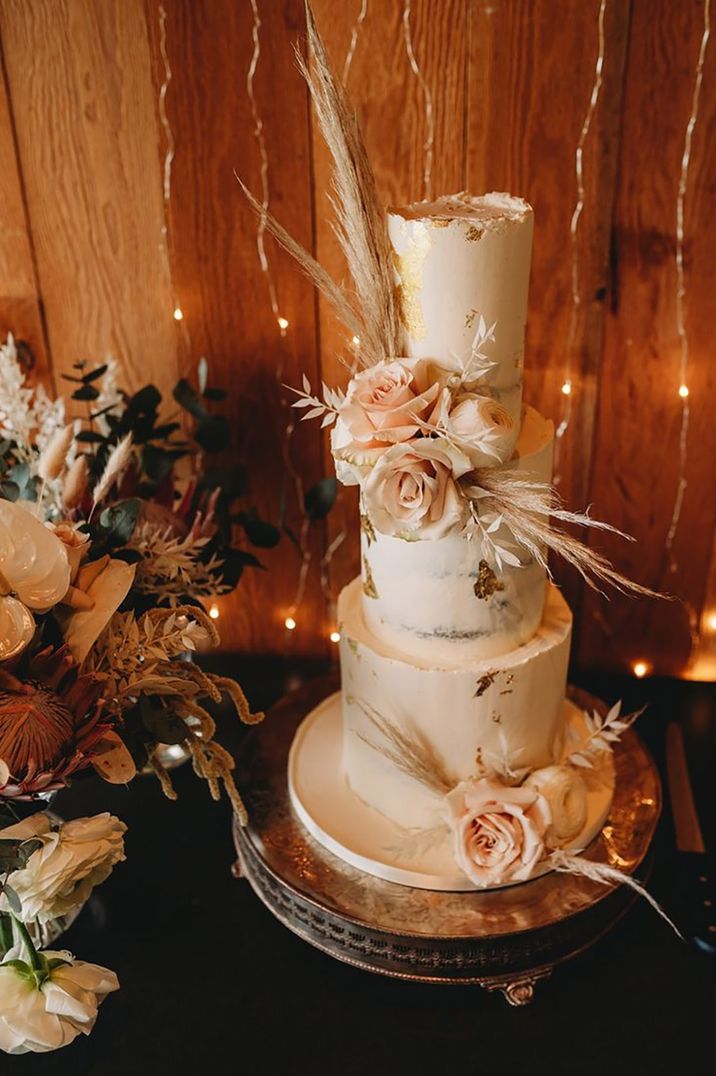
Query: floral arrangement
113, 530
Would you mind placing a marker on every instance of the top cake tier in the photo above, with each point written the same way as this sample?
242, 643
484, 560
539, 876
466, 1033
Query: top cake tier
458, 259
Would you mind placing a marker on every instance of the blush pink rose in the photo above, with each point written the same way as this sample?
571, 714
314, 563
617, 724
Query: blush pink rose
383, 402
498, 831
411, 491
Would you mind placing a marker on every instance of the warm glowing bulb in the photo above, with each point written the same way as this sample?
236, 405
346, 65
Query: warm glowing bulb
567, 388
290, 623
711, 621
640, 669
178, 314
214, 612
282, 324
356, 341
335, 636
683, 391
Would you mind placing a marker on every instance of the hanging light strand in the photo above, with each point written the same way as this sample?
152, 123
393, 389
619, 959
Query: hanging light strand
282, 322
355, 33
681, 287
428, 100
567, 386
169, 154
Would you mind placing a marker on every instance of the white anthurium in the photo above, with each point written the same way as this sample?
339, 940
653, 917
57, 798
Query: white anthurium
34, 574
48, 999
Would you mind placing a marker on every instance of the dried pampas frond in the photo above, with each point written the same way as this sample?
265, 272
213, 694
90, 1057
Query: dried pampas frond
603, 873
371, 313
360, 224
525, 507
117, 464
410, 752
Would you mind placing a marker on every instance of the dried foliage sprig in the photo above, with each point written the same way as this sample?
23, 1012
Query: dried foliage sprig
602, 730
329, 406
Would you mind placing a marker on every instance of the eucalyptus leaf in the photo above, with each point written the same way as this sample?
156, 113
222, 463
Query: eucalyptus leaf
12, 899
85, 392
320, 498
119, 521
185, 395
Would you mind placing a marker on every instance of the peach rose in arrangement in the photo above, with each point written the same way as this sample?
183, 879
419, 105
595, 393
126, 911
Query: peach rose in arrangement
484, 430
411, 491
498, 831
384, 401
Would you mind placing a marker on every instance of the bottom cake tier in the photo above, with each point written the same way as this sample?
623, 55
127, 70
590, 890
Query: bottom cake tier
423, 858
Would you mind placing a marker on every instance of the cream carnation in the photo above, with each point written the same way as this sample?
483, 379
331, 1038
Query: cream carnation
43, 1013
411, 491
498, 831
73, 859
484, 430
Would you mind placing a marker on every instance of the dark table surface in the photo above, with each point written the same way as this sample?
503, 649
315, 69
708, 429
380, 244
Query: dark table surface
211, 982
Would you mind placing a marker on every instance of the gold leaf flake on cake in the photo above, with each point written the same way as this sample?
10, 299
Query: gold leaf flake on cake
487, 582
486, 680
469, 318
409, 267
367, 527
369, 588
441, 222
473, 234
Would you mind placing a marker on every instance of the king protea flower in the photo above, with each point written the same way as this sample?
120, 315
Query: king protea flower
51, 724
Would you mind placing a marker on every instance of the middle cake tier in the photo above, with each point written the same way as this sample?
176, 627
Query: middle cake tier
445, 600
505, 712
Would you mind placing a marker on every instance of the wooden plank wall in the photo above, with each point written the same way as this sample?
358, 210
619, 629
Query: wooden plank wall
85, 268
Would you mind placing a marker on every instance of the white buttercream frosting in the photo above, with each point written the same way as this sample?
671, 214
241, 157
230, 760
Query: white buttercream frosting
419, 597
507, 706
458, 259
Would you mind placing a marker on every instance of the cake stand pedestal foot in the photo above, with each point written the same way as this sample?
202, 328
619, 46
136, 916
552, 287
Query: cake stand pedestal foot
521, 990
504, 939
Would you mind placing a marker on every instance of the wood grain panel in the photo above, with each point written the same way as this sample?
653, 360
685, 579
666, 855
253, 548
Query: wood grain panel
20, 311
636, 456
222, 291
532, 68
84, 106
391, 109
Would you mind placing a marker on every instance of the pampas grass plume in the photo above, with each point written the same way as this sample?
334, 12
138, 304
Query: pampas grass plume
75, 484
116, 465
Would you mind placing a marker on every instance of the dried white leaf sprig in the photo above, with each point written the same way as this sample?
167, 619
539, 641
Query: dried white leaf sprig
329, 406
603, 730
117, 464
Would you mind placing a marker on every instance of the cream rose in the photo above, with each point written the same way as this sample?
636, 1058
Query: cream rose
498, 831
484, 429
411, 491
76, 543
565, 791
74, 858
44, 1011
383, 402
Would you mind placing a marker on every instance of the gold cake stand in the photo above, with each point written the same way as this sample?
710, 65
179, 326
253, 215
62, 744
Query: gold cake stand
503, 939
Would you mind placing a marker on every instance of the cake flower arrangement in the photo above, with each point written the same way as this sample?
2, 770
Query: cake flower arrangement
112, 533
458, 519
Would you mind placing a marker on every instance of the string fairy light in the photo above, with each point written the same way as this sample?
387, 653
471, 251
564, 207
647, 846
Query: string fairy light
680, 297
641, 669
567, 384
354, 40
427, 98
290, 621
169, 154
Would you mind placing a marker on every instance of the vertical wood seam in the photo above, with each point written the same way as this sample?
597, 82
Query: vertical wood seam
28, 224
